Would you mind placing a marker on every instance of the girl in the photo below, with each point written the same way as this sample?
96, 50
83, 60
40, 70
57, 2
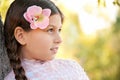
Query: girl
32, 38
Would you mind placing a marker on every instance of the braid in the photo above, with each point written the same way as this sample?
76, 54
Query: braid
15, 61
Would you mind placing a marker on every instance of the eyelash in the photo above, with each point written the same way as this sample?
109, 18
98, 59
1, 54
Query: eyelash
60, 30
51, 30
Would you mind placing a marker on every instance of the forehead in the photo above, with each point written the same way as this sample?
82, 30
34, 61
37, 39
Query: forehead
55, 20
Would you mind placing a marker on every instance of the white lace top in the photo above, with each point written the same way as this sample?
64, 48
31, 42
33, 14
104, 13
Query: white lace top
56, 69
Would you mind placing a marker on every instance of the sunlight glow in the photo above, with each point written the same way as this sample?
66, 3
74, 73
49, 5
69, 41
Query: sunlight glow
91, 16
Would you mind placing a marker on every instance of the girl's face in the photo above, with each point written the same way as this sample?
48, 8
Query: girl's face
43, 44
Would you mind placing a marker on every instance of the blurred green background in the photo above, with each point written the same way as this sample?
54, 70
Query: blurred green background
91, 35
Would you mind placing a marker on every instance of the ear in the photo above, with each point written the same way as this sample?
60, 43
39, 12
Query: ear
19, 34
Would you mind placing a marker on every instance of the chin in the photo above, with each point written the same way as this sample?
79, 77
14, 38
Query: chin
47, 59
50, 58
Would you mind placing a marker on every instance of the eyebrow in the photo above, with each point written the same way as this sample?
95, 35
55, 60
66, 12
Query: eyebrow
55, 26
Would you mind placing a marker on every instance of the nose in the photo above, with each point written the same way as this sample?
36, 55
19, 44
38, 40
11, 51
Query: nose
57, 39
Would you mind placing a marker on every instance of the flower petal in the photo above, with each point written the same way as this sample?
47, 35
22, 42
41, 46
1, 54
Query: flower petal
33, 26
34, 10
37, 17
43, 24
46, 12
27, 17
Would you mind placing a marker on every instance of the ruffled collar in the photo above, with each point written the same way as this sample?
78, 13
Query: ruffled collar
35, 62
32, 61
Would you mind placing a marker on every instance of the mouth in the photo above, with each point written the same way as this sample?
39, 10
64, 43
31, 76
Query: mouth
54, 50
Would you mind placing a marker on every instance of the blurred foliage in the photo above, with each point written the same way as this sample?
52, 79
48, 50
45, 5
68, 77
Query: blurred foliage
99, 54
116, 2
4, 4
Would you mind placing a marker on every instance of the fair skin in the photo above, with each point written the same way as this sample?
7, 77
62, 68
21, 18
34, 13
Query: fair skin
40, 44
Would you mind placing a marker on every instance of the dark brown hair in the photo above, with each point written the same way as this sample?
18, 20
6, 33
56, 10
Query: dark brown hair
14, 18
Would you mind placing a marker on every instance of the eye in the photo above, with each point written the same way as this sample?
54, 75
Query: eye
60, 30
50, 30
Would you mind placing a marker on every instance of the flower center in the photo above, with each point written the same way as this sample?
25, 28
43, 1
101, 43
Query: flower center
38, 18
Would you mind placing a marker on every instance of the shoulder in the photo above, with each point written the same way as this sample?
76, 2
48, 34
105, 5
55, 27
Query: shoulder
10, 76
68, 62
74, 67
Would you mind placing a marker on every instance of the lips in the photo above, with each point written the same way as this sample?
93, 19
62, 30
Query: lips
54, 49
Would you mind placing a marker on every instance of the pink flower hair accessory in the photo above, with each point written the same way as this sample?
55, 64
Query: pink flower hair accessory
37, 17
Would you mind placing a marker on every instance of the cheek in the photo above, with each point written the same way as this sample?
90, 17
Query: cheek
41, 48
41, 43
38, 45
